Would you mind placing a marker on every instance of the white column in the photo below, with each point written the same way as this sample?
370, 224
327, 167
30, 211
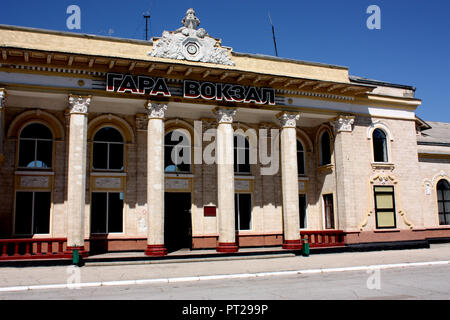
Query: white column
76, 183
343, 127
289, 181
2, 122
225, 180
155, 179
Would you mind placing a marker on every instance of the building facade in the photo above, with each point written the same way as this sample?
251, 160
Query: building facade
113, 144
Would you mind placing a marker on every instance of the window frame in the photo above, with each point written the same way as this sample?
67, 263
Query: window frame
33, 200
386, 154
107, 213
187, 135
303, 155
108, 145
321, 156
35, 140
384, 210
444, 202
237, 214
325, 211
306, 211
246, 156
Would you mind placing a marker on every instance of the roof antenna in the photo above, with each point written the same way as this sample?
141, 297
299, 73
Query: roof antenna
147, 18
273, 32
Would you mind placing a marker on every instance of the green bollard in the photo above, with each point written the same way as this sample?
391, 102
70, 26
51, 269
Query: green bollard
305, 247
76, 257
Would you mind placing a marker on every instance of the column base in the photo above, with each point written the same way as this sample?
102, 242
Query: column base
81, 251
156, 250
227, 247
292, 244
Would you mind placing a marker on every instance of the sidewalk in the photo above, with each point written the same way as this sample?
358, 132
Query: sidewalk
28, 276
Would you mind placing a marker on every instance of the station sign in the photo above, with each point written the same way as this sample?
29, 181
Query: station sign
144, 85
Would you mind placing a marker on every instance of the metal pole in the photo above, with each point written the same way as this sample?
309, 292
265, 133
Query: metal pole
146, 17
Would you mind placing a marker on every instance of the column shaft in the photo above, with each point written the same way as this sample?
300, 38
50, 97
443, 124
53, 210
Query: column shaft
76, 183
289, 182
225, 181
343, 168
155, 180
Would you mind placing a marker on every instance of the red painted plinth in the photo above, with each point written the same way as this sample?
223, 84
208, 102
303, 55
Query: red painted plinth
156, 250
81, 251
227, 247
292, 244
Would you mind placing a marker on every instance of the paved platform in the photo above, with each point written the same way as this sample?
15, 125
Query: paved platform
45, 275
187, 255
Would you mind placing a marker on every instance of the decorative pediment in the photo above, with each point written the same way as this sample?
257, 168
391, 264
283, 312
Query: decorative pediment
190, 43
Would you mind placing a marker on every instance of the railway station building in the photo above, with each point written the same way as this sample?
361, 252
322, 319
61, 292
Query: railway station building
113, 144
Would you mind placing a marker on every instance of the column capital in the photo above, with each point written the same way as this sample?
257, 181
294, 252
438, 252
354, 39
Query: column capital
343, 123
288, 119
155, 110
3, 95
224, 115
79, 104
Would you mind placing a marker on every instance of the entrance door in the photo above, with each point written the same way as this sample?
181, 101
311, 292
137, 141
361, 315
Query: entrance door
177, 221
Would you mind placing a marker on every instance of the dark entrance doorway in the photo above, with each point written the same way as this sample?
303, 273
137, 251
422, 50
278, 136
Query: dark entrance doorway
177, 221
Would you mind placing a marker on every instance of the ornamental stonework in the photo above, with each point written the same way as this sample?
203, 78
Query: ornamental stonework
242, 185
108, 183
34, 182
79, 104
141, 123
344, 124
2, 98
288, 120
177, 184
224, 115
190, 43
156, 110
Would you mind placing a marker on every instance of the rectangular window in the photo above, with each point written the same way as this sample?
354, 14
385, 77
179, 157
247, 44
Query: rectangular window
302, 210
242, 161
27, 150
243, 211
329, 211
44, 150
41, 214
301, 162
384, 206
100, 156
115, 156
106, 212
443, 196
181, 161
32, 214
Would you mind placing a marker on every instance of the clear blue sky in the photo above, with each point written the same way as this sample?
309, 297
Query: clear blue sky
412, 47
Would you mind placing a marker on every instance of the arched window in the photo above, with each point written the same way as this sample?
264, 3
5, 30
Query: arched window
300, 158
380, 153
35, 147
241, 154
325, 149
108, 150
443, 195
177, 151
